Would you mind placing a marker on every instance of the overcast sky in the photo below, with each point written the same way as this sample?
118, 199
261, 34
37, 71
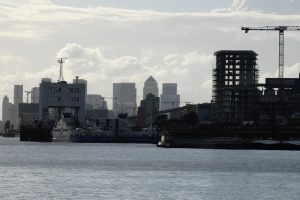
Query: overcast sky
109, 41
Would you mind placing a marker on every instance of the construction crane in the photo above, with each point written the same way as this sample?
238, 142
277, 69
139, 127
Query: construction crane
27, 93
61, 61
173, 102
281, 30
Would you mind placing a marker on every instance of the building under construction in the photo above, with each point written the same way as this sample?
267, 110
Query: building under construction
235, 93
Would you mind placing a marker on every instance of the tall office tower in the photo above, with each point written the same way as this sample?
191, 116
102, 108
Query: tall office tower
18, 94
150, 87
5, 109
124, 98
235, 92
95, 102
35, 93
169, 98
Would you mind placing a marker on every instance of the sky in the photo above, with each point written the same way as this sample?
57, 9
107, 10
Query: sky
109, 41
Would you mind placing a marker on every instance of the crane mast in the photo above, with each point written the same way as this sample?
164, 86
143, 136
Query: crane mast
281, 30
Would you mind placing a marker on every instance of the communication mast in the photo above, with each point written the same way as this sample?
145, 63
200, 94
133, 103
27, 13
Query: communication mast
61, 73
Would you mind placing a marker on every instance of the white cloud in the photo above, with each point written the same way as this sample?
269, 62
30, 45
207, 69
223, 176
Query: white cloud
236, 6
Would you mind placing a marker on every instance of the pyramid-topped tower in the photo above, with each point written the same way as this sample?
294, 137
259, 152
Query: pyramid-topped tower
150, 86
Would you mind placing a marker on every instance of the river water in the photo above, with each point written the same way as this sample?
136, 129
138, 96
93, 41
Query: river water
143, 171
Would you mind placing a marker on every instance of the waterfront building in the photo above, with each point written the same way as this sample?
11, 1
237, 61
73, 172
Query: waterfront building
177, 113
28, 113
35, 92
150, 87
279, 100
169, 98
63, 99
146, 110
124, 98
235, 93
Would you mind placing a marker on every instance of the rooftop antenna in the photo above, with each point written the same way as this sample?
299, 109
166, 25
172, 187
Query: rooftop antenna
61, 74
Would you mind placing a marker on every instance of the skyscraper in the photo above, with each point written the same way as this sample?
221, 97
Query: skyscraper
150, 87
18, 94
169, 98
96, 101
5, 109
124, 98
35, 95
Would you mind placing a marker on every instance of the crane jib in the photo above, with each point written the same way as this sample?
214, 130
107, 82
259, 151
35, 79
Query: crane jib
281, 30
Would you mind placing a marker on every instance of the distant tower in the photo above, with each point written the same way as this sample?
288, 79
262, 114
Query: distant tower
35, 95
150, 87
18, 94
124, 98
5, 109
61, 61
169, 98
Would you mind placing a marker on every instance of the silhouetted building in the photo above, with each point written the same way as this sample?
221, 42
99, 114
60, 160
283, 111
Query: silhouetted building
150, 87
61, 98
177, 113
146, 110
280, 100
169, 98
205, 113
28, 113
235, 92
124, 98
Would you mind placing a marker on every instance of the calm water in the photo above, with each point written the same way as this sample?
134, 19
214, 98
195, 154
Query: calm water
139, 171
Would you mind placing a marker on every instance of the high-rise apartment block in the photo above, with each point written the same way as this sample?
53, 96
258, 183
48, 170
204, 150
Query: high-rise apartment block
150, 87
124, 98
169, 98
235, 92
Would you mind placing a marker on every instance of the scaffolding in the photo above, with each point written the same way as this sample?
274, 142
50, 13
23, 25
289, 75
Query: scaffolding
235, 93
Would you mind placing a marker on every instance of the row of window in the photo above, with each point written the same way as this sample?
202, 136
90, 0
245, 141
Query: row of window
73, 90
58, 90
58, 99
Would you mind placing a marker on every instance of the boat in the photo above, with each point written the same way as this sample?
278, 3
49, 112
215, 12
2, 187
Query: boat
61, 132
91, 135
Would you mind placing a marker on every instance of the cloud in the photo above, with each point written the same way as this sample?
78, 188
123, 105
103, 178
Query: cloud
236, 7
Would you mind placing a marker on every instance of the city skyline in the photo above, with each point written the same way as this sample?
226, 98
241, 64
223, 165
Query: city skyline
108, 42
